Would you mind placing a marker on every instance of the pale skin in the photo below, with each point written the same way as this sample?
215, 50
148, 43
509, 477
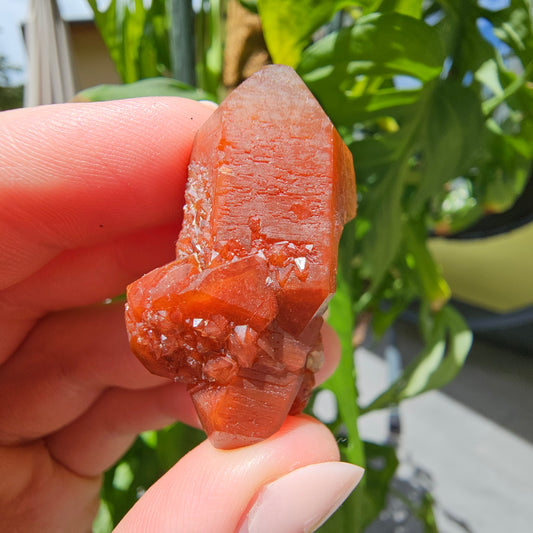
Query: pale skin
89, 201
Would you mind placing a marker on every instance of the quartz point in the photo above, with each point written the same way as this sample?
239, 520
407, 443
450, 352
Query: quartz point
237, 315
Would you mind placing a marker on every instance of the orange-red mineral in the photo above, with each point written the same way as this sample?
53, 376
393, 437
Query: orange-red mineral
237, 315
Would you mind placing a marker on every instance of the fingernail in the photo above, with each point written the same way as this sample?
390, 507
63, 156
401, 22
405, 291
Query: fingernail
303, 499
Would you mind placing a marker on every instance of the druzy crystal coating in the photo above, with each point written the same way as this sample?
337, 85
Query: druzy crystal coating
237, 315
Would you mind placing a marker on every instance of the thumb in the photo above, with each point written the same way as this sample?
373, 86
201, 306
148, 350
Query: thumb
275, 485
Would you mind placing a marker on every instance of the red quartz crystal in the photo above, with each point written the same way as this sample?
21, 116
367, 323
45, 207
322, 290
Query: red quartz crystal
237, 315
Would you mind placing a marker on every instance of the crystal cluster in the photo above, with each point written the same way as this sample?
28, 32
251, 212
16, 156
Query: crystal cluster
237, 315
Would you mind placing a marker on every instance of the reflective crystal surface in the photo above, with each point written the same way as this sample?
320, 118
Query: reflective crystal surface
237, 315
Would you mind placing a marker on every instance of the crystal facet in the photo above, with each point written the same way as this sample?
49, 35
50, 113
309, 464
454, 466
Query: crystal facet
237, 315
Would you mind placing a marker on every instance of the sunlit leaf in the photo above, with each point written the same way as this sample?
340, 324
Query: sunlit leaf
448, 344
147, 87
376, 45
288, 25
413, 8
514, 26
488, 74
103, 523
381, 44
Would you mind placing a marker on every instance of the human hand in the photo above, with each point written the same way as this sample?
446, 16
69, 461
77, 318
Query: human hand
89, 196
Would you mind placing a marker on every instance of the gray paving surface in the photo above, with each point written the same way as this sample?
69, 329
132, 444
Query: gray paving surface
471, 444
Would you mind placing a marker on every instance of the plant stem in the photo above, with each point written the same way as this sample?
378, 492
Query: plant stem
342, 318
182, 41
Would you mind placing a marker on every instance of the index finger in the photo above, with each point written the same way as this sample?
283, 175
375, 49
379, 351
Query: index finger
75, 175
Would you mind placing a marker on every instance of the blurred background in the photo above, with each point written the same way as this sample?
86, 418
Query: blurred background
435, 100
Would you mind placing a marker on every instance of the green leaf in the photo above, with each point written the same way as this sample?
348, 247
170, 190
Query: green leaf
380, 211
503, 177
451, 135
381, 44
438, 142
413, 8
395, 304
289, 25
448, 344
209, 36
514, 26
250, 5
459, 341
464, 43
381, 208
426, 514
347, 109
488, 74
402, 172
103, 523
519, 124
427, 275
381, 243
374, 152
136, 37
147, 87
151, 455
